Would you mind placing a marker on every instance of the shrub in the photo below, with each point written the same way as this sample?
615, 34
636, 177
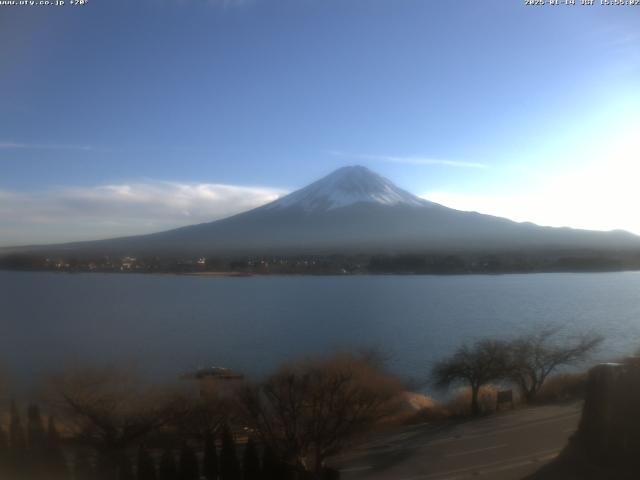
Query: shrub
564, 387
460, 404
309, 411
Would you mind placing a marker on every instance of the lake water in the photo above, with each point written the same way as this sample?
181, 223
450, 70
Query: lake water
167, 324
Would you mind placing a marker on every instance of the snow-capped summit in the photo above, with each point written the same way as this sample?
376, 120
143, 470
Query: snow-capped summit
347, 186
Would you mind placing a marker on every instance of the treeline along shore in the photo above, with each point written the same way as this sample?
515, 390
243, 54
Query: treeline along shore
335, 264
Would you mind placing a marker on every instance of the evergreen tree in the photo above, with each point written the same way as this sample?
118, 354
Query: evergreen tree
270, 465
54, 461
168, 469
37, 443
229, 466
35, 429
16, 433
82, 467
146, 465
273, 468
125, 469
107, 464
4, 453
17, 444
189, 469
210, 460
251, 461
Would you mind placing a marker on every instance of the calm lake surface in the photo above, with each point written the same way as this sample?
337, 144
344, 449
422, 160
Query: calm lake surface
165, 325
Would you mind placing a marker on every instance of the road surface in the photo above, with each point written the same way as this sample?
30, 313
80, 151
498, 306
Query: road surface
506, 446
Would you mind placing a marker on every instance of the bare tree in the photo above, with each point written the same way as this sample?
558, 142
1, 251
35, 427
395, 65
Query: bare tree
110, 410
203, 417
535, 356
476, 365
309, 411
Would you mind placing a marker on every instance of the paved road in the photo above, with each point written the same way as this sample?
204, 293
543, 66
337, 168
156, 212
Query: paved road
507, 446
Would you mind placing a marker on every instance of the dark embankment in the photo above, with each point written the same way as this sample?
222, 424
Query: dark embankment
607, 442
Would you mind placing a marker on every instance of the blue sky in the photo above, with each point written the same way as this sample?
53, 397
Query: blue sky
126, 117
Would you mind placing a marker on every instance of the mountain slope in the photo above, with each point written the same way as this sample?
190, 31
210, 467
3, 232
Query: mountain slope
353, 210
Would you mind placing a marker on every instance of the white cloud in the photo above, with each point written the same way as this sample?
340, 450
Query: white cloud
37, 146
79, 213
411, 160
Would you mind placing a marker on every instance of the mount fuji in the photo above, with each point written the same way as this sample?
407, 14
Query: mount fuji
353, 210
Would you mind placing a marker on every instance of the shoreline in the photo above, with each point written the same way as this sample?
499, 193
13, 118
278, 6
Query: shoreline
231, 274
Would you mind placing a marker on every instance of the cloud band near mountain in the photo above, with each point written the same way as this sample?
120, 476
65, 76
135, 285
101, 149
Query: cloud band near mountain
82, 213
